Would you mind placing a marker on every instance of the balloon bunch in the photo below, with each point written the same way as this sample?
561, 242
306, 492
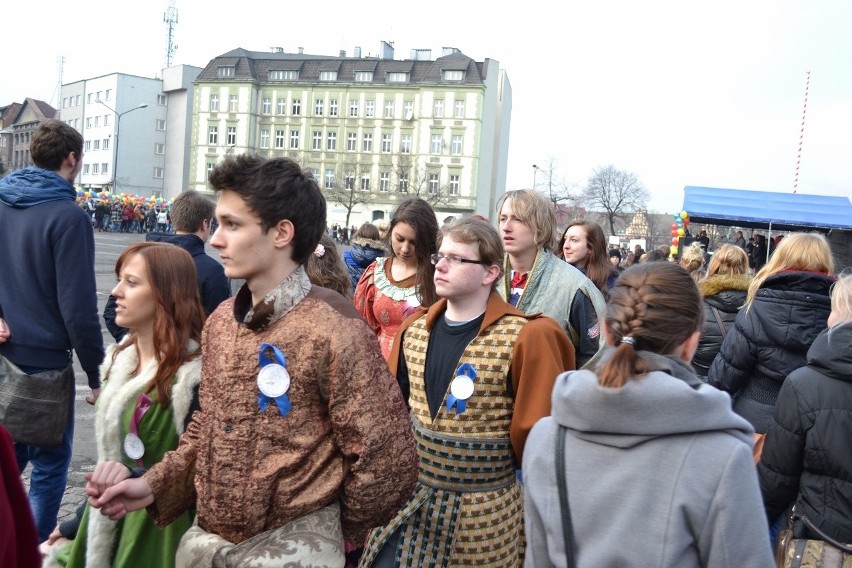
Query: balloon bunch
678, 230
120, 198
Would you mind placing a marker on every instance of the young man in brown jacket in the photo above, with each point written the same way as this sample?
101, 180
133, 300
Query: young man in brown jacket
302, 429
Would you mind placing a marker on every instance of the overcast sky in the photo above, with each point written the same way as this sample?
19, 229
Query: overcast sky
677, 92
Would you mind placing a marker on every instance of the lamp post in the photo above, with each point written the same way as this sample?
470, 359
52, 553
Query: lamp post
117, 130
535, 171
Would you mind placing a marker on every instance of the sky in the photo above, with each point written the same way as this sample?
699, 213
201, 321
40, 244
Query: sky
681, 92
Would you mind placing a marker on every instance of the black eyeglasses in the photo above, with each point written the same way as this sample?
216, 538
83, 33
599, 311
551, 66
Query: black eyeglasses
454, 260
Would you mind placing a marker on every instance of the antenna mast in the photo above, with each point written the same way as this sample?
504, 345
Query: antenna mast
57, 95
170, 17
801, 133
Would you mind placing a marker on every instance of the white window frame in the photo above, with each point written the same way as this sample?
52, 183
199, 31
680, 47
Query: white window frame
363, 76
384, 182
297, 107
214, 103
233, 103
281, 105
353, 108
454, 184
333, 107
434, 183
437, 143
280, 137
351, 141
266, 105
405, 144
231, 135
316, 140
329, 178
367, 142
158, 173
388, 109
369, 108
365, 182
159, 148
331, 141
318, 107
387, 142
456, 144
328, 75
458, 109
294, 139
225, 71
264, 138
212, 135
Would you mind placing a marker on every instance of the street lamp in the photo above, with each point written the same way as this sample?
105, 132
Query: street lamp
535, 171
117, 130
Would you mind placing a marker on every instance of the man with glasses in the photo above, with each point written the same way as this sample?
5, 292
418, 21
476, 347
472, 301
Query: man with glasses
477, 374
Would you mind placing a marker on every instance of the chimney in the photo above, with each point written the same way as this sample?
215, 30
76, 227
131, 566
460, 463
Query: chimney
301, 51
277, 49
421, 54
357, 52
342, 53
386, 50
449, 51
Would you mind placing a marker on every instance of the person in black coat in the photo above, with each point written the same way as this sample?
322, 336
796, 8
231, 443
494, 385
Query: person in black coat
724, 293
786, 307
807, 458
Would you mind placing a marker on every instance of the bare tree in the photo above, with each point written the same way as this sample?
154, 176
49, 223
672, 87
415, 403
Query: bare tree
345, 188
554, 187
415, 181
615, 191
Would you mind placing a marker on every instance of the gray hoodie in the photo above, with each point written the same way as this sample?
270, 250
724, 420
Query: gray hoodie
660, 473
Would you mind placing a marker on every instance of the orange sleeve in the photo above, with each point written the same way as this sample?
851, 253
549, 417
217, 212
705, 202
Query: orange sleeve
542, 352
365, 295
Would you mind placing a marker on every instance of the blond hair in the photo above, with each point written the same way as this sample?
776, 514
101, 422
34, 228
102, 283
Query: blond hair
692, 258
533, 210
841, 298
804, 252
728, 261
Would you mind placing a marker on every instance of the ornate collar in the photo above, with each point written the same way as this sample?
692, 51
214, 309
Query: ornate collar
275, 305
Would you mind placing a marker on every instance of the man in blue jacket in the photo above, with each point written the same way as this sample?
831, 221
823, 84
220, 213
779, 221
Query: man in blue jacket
48, 295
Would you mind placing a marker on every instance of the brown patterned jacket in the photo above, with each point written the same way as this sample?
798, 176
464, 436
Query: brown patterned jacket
347, 437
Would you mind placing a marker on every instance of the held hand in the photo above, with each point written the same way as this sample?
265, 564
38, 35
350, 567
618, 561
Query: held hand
106, 475
125, 497
5, 333
92, 398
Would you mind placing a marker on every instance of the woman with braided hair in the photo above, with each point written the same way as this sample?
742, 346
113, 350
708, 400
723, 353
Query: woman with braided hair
660, 470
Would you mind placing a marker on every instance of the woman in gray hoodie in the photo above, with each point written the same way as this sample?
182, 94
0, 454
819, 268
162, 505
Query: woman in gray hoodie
658, 468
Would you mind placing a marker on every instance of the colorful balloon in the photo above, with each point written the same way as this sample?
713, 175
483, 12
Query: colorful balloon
673, 250
684, 214
680, 232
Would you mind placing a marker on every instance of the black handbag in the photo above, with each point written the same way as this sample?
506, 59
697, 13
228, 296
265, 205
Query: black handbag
562, 485
35, 408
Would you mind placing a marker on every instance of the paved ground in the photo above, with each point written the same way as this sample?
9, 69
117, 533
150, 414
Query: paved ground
108, 247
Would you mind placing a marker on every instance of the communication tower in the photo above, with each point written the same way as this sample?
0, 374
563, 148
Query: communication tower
170, 17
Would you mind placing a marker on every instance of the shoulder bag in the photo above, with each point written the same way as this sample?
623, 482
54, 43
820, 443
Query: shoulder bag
562, 484
35, 408
824, 552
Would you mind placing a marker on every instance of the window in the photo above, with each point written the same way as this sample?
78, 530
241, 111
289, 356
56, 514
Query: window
87, 146
108, 94
161, 100
369, 108
105, 144
97, 121
397, 77
104, 168
331, 143
367, 145
233, 101
388, 109
387, 140
436, 143
316, 140
160, 124
454, 185
210, 166
266, 105
212, 135
332, 107
351, 142
264, 138
384, 181
231, 138
318, 104
78, 100
77, 123
99, 96
433, 184
329, 179
214, 103
158, 173
159, 148
96, 145
294, 139
456, 145
282, 106
408, 110
106, 120
453, 75
363, 76
365, 182
353, 108
279, 138
88, 122
95, 169
225, 72
405, 144
297, 107
349, 182
403, 183
89, 98
328, 76
86, 169
283, 75
65, 102
459, 109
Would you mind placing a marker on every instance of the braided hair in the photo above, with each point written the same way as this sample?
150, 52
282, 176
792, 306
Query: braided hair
653, 307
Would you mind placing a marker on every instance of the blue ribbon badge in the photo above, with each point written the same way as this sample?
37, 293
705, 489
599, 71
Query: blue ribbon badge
461, 389
273, 380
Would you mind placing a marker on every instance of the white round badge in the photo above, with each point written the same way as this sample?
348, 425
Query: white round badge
273, 380
133, 446
462, 387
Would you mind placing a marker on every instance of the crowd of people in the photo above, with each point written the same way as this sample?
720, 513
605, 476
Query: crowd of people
456, 395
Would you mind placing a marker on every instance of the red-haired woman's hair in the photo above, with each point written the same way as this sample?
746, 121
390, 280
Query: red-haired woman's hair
657, 306
179, 316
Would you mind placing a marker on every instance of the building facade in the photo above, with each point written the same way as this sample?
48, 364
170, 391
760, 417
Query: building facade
373, 130
23, 125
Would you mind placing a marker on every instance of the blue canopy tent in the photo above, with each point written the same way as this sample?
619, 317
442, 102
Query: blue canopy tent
767, 210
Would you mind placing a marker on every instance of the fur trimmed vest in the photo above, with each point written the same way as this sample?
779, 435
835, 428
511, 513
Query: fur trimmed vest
120, 390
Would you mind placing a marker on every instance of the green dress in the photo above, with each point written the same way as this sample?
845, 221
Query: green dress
137, 542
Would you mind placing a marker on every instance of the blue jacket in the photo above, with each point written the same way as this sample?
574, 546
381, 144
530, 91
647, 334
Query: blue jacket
360, 256
48, 294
